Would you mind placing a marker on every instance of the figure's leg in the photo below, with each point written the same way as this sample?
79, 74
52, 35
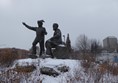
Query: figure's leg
42, 47
34, 46
48, 48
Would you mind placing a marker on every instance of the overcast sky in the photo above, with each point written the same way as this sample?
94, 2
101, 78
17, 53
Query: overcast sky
94, 18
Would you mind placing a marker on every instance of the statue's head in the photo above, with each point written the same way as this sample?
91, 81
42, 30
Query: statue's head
40, 22
55, 26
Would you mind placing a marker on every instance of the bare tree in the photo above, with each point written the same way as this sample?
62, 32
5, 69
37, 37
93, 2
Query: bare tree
83, 43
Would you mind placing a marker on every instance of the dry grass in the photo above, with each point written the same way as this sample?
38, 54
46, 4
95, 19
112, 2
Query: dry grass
102, 68
109, 68
7, 57
87, 61
25, 69
113, 68
17, 75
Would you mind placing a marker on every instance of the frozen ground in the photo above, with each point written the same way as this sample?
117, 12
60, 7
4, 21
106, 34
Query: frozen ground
76, 73
52, 63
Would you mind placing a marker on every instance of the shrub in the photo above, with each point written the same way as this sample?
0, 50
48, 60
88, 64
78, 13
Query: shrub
113, 69
7, 56
25, 69
109, 68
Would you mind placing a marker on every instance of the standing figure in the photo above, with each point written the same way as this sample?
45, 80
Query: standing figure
53, 41
40, 36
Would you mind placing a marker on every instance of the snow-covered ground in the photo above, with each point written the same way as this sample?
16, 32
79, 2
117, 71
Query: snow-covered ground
76, 73
52, 63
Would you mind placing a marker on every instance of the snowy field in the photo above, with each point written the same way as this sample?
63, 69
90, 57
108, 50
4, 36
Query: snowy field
76, 73
52, 63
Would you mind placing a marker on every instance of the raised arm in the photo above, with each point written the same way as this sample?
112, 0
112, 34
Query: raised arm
29, 27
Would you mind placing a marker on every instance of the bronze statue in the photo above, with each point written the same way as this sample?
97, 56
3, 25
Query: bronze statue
53, 41
40, 36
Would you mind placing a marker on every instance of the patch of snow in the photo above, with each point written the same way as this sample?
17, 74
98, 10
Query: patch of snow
75, 68
52, 63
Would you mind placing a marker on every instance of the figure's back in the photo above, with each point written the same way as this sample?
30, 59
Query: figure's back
57, 35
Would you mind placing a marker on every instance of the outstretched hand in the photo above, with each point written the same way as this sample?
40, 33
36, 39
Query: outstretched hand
23, 23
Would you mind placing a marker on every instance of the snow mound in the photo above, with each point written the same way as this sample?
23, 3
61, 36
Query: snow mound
52, 63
